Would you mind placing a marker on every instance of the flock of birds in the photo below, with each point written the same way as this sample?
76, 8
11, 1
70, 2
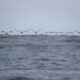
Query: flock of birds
37, 32
21, 32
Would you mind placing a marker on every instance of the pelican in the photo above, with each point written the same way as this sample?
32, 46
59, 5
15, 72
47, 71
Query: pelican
6, 33
36, 32
21, 32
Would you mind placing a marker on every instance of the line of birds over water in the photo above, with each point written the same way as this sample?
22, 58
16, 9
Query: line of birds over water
37, 32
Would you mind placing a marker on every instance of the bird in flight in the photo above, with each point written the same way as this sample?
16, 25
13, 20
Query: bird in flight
21, 32
36, 32
6, 33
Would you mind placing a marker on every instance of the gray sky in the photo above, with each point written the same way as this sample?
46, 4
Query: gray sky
48, 15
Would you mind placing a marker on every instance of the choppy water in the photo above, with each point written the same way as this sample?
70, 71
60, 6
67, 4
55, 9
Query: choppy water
40, 57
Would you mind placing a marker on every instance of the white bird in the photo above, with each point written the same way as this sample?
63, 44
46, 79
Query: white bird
6, 33
36, 32
21, 32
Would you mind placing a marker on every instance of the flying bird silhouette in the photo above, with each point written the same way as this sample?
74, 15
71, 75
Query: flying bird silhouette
36, 32
6, 33
21, 32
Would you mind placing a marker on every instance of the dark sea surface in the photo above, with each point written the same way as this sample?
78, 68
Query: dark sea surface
40, 57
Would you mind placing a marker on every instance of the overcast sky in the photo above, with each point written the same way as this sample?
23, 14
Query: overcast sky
47, 15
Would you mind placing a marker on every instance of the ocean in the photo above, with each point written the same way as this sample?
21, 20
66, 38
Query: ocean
40, 57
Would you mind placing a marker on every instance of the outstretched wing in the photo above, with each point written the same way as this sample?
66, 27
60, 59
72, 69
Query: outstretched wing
38, 30
35, 31
26, 30
10, 31
17, 30
22, 31
46, 32
2, 31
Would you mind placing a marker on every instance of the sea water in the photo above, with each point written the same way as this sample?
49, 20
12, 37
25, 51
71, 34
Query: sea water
40, 57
